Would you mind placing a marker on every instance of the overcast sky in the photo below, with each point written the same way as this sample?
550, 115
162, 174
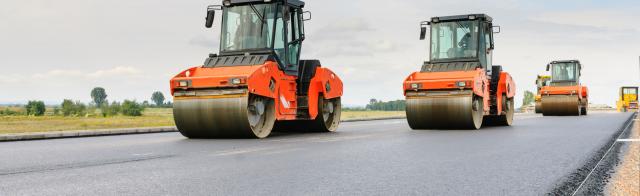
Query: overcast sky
52, 50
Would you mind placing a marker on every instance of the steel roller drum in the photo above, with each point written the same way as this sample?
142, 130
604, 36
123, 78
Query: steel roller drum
538, 107
561, 105
444, 112
227, 117
327, 120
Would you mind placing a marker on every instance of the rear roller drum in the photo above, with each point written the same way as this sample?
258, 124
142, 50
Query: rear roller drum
585, 106
445, 112
505, 119
327, 120
230, 117
329, 111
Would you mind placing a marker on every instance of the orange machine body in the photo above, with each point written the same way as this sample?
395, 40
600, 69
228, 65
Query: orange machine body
475, 80
580, 90
265, 80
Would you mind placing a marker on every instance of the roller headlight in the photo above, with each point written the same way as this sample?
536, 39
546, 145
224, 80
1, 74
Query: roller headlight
415, 86
461, 84
183, 83
237, 81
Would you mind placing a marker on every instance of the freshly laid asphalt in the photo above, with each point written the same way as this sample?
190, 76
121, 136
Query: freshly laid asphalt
383, 157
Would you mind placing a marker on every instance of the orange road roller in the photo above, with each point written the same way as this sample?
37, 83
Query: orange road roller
459, 88
257, 83
565, 95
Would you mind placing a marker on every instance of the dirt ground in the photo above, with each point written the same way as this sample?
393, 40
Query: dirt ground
626, 180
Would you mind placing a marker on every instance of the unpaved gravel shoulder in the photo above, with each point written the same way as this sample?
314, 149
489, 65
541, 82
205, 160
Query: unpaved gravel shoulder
626, 179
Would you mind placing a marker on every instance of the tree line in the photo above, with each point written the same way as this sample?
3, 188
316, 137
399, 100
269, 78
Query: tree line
379, 105
100, 105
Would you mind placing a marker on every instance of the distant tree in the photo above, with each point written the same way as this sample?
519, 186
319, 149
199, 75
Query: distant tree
68, 108
529, 98
8, 112
397, 105
56, 111
99, 96
158, 98
169, 104
131, 108
114, 109
35, 108
146, 104
80, 108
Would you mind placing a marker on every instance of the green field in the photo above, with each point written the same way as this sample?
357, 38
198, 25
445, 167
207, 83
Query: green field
152, 117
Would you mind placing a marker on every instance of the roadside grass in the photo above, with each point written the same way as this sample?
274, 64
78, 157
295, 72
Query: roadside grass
347, 115
152, 117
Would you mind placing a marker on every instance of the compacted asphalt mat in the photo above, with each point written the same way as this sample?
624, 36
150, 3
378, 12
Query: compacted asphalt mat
384, 157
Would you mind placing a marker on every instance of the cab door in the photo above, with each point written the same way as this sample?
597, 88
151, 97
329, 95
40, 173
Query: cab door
288, 52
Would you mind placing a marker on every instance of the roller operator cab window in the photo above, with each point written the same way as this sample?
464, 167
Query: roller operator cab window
630, 91
564, 72
248, 27
454, 40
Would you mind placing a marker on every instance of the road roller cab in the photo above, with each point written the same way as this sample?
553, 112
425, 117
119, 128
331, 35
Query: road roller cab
628, 100
542, 81
257, 82
565, 95
459, 87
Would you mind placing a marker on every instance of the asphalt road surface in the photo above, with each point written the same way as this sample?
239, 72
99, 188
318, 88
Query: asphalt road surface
382, 157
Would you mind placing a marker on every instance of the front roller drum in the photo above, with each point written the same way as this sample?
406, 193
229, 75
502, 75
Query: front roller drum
538, 107
445, 112
228, 117
561, 105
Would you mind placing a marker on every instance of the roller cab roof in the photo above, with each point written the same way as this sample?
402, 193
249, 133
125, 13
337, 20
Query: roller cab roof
296, 3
